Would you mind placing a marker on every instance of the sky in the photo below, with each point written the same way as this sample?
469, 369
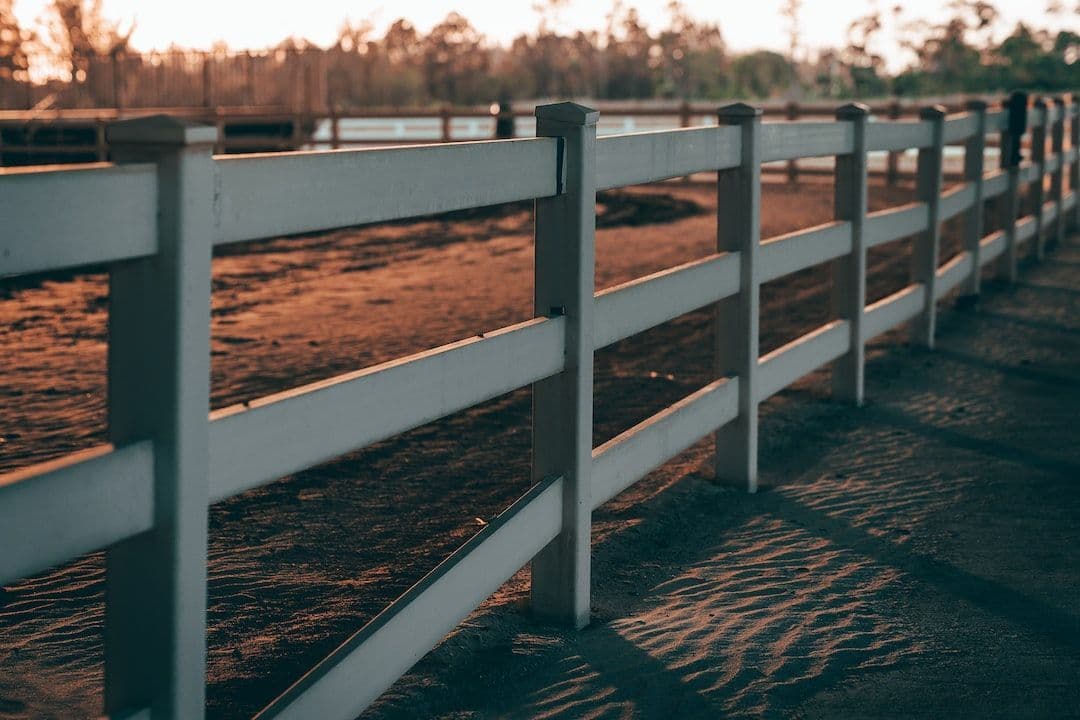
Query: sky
746, 25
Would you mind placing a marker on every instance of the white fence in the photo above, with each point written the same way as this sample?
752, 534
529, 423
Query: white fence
154, 217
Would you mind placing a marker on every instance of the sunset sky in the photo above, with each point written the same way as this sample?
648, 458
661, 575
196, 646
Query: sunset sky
745, 25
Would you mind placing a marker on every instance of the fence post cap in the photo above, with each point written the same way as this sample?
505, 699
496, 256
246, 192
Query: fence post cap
568, 112
852, 111
977, 105
736, 113
161, 130
932, 112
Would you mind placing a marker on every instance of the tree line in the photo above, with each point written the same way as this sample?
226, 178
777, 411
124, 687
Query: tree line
625, 59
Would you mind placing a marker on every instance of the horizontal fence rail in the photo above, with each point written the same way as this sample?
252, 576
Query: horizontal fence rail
155, 203
255, 443
287, 193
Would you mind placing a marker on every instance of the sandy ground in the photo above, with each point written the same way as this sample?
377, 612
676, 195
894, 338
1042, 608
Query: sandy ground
917, 558
295, 567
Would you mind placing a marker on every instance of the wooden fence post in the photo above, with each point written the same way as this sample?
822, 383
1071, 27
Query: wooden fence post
1016, 107
444, 123
562, 404
926, 250
792, 111
159, 370
101, 143
207, 82
1035, 189
974, 162
892, 172
1057, 178
505, 126
684, 114
849, 272
739, 230
1074, 168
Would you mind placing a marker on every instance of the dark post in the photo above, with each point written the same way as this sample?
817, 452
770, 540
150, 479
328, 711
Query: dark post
1016, 106
974, 157
1074, 166
792, 111
892, 162
504, 121
1057, 178
444, 122
1035, 189
207, 87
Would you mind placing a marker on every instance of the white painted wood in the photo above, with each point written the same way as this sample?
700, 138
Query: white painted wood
925, 253
893, 310
286, 193
57, 510
631, 455
993, 245
1008, 206
885, 226
898, 135
1074, 160
1036, 115
956, 200
159, 389
960, 127
365, 665
637, 158
1025, 228
60, 218
791, 140
995, 183
848, 291
737, 318
958, 268
975, 175
802, 356
563, 403
1069, 201
632, 307
280, 434
1029, 172
997, 121
785, 254
1049, 213
1055, 166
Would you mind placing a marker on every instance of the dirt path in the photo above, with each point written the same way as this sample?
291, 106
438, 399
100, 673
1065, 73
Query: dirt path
917, 558
298, 565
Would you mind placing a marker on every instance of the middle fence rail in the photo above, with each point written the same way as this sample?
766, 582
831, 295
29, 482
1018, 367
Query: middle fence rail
154, 217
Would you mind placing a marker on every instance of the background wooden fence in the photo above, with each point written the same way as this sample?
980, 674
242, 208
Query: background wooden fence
155, 215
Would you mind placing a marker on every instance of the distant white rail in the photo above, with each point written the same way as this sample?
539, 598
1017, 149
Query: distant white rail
154, 224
